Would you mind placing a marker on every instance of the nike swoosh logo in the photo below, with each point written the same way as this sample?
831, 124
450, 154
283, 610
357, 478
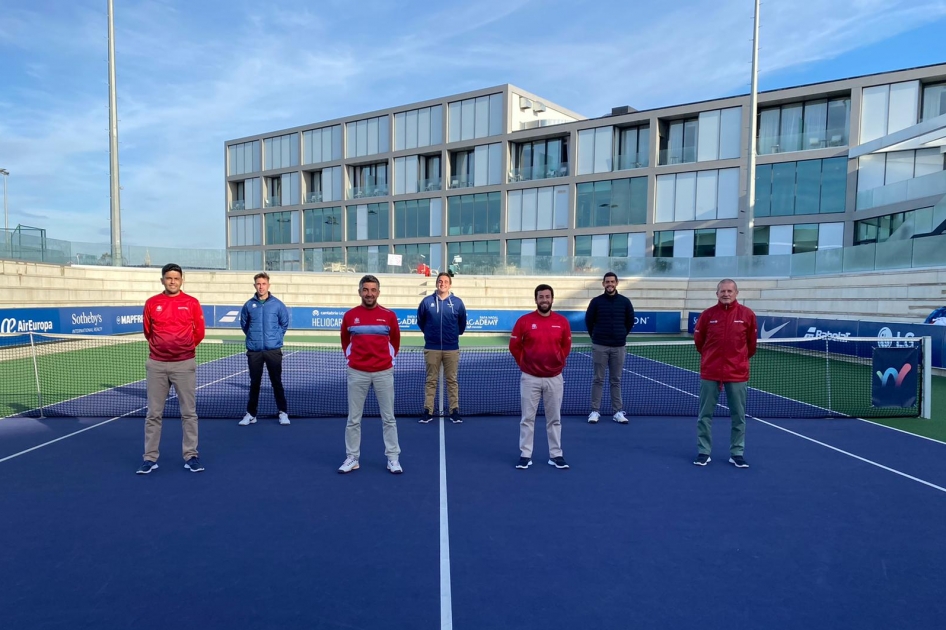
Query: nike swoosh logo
766, 334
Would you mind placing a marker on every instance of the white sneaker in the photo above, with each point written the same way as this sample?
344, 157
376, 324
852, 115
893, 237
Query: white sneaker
247, 420
348, 465
394, 467
593, 417
620, 418
284, 418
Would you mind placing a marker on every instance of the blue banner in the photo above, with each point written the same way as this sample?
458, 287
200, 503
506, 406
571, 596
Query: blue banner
899, 334
692, 318
894, 382
777, 327
91, 320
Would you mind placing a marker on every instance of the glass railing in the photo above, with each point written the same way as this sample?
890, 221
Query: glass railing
313, 197
685, 155
630, 160
787, 143
461, 182
530, 173
275, 202
370, 190
427, 185
239, 204
907, 190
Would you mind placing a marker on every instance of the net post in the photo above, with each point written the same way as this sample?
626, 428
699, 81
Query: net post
440, 386
926, 406
827, 367
39, 390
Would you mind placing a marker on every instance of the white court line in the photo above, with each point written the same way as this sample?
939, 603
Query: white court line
805, 437
446, 602
924, 437
69, 435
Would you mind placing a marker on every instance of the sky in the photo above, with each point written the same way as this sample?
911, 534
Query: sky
192, 75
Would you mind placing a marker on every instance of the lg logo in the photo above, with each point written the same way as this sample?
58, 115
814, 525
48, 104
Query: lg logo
888, 339
8, 325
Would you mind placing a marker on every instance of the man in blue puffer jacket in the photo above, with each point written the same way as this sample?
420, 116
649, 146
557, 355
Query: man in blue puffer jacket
442, 317
264, 320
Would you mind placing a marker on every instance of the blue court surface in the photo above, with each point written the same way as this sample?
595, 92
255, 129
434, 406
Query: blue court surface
837, 524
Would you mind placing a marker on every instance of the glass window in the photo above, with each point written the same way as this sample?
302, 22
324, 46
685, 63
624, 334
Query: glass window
685, 197
726, 241
833, 185
585, 194
690, 128
730, 133
496, 125
620, 202
763, 190
874, 112
514, 211
583, 245
791, 135
454, 119
805, 238
904, 105
706, 194
704, 243
663, 244
760, 241
727, 199
481, 117
838, 123
282, 228
783, 189
666, 185
602, 203
708, 144
934, 100
769, 121
808, 187
816, 121
436, 125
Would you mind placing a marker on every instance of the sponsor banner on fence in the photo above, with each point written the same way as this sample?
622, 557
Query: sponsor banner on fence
894, 381
899, 335
92, 320
225, 317
692, 318
776, 327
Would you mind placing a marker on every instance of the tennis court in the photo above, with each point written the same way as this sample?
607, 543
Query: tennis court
837, 523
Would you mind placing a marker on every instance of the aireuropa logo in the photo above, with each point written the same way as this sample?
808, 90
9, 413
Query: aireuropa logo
896, 375
230, 317
815, 333
13, 325
889, 339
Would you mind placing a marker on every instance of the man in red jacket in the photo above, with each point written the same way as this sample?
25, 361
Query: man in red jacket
540, 343
371, 339
173, 326
725, 336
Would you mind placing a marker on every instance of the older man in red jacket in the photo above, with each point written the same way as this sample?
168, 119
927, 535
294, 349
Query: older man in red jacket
725, 337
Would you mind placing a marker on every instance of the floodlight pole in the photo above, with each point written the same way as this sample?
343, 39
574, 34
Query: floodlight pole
6, 214
753, 126
115, 193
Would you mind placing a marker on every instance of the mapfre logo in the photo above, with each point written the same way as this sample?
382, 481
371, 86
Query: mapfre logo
124, 320
13, 325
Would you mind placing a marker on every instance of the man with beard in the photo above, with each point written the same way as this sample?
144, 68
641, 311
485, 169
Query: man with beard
540, 343
609, 320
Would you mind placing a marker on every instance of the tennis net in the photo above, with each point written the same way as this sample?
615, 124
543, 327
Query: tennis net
98, 376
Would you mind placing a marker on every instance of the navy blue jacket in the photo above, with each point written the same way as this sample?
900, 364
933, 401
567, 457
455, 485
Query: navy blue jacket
443, 321
264, 323
609, 319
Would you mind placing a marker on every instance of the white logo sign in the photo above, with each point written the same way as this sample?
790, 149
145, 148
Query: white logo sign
8, 325
123, 320
86, 319
230, 317
814, 333
767, 334
315, 312
889, 337
12, 325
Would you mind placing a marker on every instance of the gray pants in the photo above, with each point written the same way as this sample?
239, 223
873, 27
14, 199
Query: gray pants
549, 390
612, 359
358, 385
736, 396
160, 376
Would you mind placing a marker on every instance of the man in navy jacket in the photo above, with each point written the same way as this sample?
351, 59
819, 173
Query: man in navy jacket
609, 320
442, 317
264, 320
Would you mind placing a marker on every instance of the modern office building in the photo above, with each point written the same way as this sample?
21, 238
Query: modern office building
500, 176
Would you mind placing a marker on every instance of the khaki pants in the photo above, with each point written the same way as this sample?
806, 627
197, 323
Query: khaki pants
358, 385
736, 397
549, 390
610, 359
160, 376
450, 359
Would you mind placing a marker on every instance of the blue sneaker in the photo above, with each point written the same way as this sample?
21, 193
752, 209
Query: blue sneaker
193, 465
146, 467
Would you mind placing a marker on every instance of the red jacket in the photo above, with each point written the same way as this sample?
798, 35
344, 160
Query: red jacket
173, 326
540, 344
371, 338
725, 336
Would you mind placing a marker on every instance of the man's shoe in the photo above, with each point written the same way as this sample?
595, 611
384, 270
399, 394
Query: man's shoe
426, 417
558, 462
193, 465
394, 467
524, 462
593, 417
455, 416
248, 419
348, 465
283, 418
146, 467
738, 461
702, 459
620, 418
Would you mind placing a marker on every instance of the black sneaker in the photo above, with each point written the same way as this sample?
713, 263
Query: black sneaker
702, 459
193, 465
524, 462
147, 467
455, 416
558, 462
426, 417
738, 461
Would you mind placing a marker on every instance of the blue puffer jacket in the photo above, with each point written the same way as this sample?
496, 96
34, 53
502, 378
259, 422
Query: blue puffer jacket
443, 321
264, 323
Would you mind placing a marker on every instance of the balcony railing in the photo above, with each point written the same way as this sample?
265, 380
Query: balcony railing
371, 190
531, 173
427, 185
686, 155
631, 160
787, 143
239, 204
907, 190
274, 202
461, 182
313, 197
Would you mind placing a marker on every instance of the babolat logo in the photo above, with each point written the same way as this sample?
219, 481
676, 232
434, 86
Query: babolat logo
86, 318
815, 333
230, 317
129, 319
13, 325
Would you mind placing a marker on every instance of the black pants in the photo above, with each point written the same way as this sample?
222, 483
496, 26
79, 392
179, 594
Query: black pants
272, 359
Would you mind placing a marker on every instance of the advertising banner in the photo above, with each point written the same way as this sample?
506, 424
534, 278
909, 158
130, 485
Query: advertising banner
894, 382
